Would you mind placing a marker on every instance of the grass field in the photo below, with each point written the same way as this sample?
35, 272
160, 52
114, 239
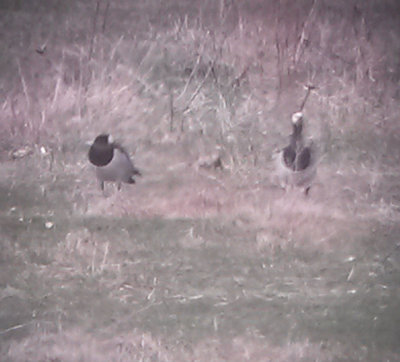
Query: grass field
198, 262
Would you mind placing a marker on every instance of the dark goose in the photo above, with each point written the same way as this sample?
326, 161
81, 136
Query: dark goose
112, 162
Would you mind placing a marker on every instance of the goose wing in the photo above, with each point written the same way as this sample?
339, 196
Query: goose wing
125, 154
289, 156
303, 159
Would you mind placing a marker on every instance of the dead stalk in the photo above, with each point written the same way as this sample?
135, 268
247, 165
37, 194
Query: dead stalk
24, 86
103, 262
303, 37
279, 66
309, 89
95, 17
192, 73
171, 111
114, 50
199, 87
18, 326
103, 28
58, 83
94, 259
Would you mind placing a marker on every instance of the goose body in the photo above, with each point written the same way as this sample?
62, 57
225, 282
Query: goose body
112, 162
296, 164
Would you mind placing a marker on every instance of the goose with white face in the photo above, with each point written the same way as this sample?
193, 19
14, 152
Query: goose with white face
111, 161
295, 164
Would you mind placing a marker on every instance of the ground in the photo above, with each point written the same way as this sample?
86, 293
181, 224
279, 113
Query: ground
198, 262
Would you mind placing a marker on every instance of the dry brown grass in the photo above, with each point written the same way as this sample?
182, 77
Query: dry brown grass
73, 345
212, 82
185, 97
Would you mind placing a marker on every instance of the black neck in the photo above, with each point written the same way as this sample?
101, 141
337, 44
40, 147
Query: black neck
297, 129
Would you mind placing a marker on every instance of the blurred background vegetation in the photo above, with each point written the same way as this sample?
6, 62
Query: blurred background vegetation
202, 92
218, 67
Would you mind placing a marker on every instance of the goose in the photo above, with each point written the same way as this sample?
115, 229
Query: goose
111, 161
296, 161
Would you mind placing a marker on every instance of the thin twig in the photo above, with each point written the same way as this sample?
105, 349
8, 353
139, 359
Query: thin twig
117, 44
58, 83
103, 262
96, 15
237, 80
18, 326
309, 89
192, 73
303, 33
148, 52
103, 28
171, 111
24, 86
196, 92
92, 267
278, 53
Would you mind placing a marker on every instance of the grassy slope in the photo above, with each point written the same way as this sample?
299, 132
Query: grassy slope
196, 262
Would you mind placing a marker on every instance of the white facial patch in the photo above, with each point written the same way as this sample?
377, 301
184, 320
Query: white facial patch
296, 117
